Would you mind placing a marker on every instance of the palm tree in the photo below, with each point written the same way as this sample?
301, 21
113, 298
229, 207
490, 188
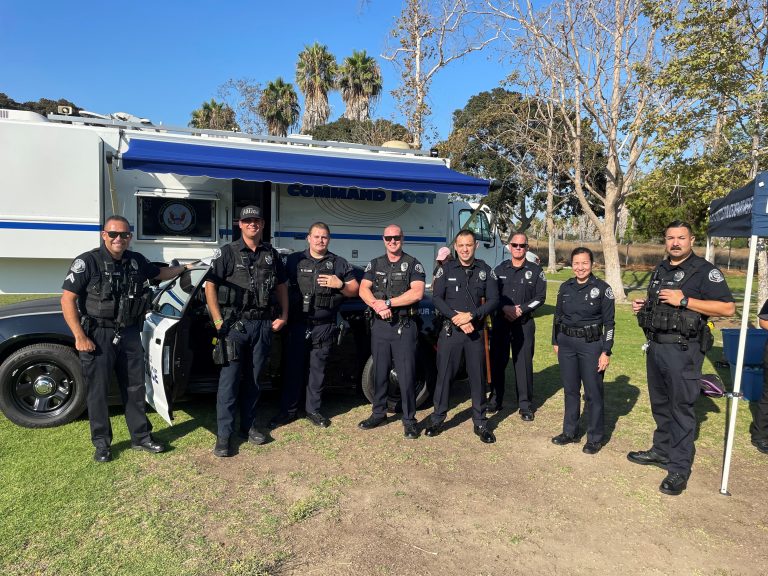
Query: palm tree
359, 80
214, 116
279, 107
315, 76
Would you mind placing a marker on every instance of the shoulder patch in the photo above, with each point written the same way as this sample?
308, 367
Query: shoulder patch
77, 266
541, 275
217, 253
284, 259
419, 268
493, 275
439, 272
609, 293
368, 267
715, 275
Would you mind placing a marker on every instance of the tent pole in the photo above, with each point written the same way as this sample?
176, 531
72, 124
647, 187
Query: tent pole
734, 401
708, 253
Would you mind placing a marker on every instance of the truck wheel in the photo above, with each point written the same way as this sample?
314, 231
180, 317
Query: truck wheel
426, 374
42, 386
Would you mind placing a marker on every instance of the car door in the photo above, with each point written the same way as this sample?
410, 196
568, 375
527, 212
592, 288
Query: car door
165, 337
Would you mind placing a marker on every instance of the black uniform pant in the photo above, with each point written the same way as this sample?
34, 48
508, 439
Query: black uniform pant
126, 359
578, 363
395, 342
520, 336
449, 351
311, 343
673, 387
252, 347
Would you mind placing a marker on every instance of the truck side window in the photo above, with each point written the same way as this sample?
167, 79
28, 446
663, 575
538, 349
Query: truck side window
479, 225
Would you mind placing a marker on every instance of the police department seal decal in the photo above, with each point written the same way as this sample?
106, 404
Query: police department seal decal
439, 272
679, 275
419, 268
609, 293
482, 275
594, 293
216, 253
528, 274
78, 266
715, 275
403, 266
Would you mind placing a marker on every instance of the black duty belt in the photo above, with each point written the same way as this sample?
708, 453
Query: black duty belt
668, 338
311, 322
255, 314
573, 331
102, 322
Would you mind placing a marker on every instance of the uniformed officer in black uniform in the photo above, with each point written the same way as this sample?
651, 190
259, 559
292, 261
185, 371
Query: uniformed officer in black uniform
522, 289
464, 291
393, 284
249, 278
318, 282
582, 334
759, 427
685, 290
104, 299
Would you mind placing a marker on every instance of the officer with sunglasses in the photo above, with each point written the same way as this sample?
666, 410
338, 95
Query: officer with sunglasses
392, 286
522, 289
104, 299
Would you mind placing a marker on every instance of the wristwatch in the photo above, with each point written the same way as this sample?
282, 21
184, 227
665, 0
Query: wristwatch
684, 302
388, 303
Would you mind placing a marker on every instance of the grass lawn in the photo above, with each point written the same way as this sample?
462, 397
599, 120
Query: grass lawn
185, 512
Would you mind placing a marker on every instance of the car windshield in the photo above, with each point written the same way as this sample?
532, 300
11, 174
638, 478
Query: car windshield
174, 296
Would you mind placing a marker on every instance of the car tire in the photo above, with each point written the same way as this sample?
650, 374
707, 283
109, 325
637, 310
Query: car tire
42, 386
426, 375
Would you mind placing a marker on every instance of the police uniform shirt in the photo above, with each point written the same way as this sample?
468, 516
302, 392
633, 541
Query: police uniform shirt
592, 302
84, 268
696, 277
415, 273
223, 265
525, 286
340, 268
455, 283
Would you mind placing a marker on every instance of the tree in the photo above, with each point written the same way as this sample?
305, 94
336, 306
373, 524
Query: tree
429, 35
214, 116
315, 77
371, 133
589, 54
279, 107
44, 106
359, 81
243, 95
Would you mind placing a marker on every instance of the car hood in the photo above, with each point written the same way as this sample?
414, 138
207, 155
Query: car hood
27, 307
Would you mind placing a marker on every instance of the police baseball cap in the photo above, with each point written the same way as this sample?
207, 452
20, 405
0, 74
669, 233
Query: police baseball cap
251, 212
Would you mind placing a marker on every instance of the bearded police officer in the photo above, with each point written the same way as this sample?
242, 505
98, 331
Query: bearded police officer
685, 290
582, 336
104, 299
465, 290
248, 277
318, 282
522, 289
392, 286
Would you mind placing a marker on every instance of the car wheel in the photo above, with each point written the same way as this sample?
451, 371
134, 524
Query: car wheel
426, 375
42, 386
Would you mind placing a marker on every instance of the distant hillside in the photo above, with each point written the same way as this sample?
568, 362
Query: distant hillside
43, 106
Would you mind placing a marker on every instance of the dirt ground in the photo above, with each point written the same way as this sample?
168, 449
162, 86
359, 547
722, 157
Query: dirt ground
370, 502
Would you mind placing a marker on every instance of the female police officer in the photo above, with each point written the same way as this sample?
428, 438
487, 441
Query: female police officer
582, 334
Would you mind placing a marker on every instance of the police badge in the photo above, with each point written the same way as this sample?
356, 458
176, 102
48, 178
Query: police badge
403, 266
594, 293
528, 274
329, 265
134, 264
268, 259
482, 275
679, 275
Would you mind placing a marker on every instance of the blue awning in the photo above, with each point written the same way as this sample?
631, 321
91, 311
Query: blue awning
226, 162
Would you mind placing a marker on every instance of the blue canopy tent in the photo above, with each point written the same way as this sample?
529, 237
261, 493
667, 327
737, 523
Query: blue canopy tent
741, 214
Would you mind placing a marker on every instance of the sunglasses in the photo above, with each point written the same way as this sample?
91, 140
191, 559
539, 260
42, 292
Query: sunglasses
392, 238
114, 234
518, 245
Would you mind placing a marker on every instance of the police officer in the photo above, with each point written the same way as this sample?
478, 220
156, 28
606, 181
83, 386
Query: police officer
758, 429
458, 292
392, 285
248, 277
685, 290
522, 289
318, 282
582, 335
104, 299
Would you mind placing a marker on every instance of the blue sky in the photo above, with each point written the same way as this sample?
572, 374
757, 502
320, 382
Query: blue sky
161, 59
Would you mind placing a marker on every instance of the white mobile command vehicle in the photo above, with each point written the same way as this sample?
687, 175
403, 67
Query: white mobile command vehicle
182, 189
